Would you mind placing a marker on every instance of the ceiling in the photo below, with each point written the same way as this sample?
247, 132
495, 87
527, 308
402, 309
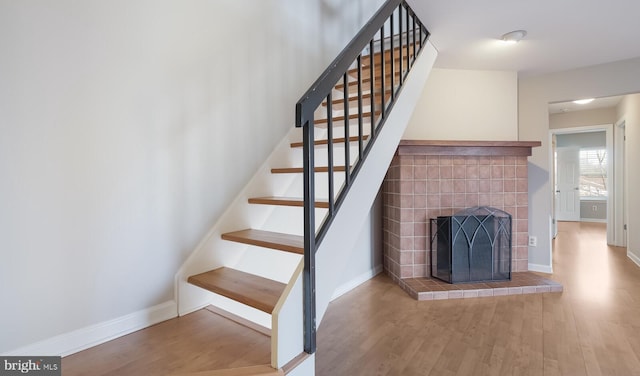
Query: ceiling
562, 34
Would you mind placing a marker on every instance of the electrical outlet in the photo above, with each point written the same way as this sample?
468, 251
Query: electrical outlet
533, 241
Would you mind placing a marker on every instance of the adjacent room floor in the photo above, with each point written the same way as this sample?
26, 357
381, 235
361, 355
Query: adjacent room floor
592, 328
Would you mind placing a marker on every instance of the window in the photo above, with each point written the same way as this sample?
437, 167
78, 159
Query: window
593, 173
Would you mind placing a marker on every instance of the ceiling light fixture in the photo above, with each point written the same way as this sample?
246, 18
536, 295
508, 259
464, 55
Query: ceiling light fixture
583, 101
514, 36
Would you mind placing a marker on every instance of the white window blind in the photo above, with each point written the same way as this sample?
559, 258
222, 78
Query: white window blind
593, 172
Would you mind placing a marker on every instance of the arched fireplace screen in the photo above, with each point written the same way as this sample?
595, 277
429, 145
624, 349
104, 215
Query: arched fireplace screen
473, 245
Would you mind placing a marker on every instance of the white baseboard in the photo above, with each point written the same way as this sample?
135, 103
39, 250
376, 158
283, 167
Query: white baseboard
240, 320
633, 258
541, 268
595, 220
306, 368
81, 339
355, 282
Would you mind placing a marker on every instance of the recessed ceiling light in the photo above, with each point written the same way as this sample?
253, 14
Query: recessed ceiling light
514, 36
584, 101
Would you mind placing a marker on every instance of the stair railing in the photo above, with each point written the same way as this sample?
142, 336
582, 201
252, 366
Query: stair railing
406, 38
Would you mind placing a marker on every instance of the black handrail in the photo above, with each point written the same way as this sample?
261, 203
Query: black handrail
320, 92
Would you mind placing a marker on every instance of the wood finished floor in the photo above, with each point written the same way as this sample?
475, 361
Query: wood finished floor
592, 328
200, 341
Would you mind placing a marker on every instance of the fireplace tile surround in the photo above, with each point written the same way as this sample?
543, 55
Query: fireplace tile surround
431, 178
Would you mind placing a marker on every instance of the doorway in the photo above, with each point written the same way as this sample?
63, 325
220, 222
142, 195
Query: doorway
578, 187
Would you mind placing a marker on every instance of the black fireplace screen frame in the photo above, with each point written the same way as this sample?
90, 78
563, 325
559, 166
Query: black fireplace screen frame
473, 245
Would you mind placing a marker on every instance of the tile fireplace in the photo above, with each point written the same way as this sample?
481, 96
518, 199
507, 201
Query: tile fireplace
428, 179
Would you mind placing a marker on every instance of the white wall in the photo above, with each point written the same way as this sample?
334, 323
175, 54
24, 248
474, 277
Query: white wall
597, 116
366, 257
467, 105
126, 128
535, 93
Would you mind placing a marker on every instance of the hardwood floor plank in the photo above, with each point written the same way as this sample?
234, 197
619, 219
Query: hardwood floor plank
583, 331
592, 328
200, 341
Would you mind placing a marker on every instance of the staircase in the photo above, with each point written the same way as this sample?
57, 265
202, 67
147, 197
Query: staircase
258, 262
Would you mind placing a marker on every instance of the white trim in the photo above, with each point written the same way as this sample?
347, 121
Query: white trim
633, 258
595, 220
620, 189
195, 308
594, 199
239, 320
306, 368
355, 282
540, 268
81, 339
287, 321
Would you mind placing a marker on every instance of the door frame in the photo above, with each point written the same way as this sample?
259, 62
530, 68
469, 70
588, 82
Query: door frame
608, 129
620, 170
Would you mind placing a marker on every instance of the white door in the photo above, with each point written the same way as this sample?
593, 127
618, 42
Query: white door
568, 184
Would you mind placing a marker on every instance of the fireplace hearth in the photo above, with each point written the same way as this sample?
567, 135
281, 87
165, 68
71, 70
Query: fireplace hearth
472, 245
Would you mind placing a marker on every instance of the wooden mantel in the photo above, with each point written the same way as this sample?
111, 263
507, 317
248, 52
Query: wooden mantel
463, 148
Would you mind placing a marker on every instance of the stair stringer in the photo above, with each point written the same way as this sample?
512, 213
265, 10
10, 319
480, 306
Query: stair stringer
332, 255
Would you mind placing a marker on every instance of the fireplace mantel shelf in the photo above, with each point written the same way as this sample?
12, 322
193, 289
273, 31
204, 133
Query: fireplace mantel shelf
467, 148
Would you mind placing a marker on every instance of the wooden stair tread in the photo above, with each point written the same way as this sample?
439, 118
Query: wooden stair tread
352, 90
267, 239
287, 201
294, 170
325, 142
365, 97
252, 290
398, 60
387, 61
366, 80
387, 52
365, 115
